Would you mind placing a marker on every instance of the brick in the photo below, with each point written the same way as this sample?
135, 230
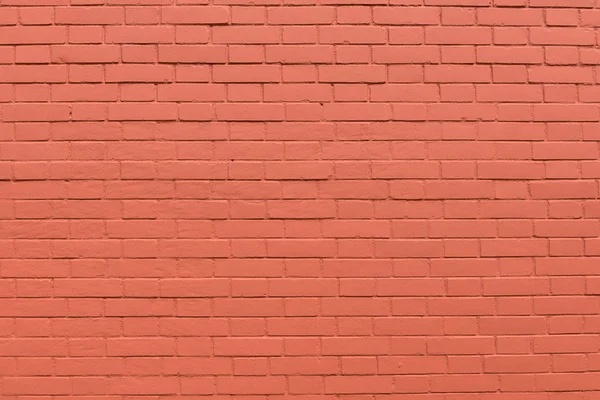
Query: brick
562, 36
139, 73
408, 55
509, 55
357, 112
510, 17
460, 345
363, 199
139, 35
352, 35
245, 34
143, 386
465, 383
141, 111
184, 53
181, 15
361, 385
89, 16
556, 190
562, 344
551, 75
142, 15
299, 54
406, 15
458, 35
37, 385
300, 15
241, 385
548, 151
33, 74
456, 73
366, 74
26, 35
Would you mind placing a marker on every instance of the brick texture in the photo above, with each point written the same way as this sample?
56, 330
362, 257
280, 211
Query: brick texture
299, 199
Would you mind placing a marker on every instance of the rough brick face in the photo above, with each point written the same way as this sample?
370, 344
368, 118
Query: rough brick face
299, 199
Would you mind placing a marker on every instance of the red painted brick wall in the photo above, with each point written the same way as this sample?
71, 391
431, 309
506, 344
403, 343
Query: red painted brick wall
299, 199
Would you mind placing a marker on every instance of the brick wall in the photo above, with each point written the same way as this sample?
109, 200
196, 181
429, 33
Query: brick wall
299, 199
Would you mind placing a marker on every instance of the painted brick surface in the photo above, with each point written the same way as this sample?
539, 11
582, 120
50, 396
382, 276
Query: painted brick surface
299, 199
